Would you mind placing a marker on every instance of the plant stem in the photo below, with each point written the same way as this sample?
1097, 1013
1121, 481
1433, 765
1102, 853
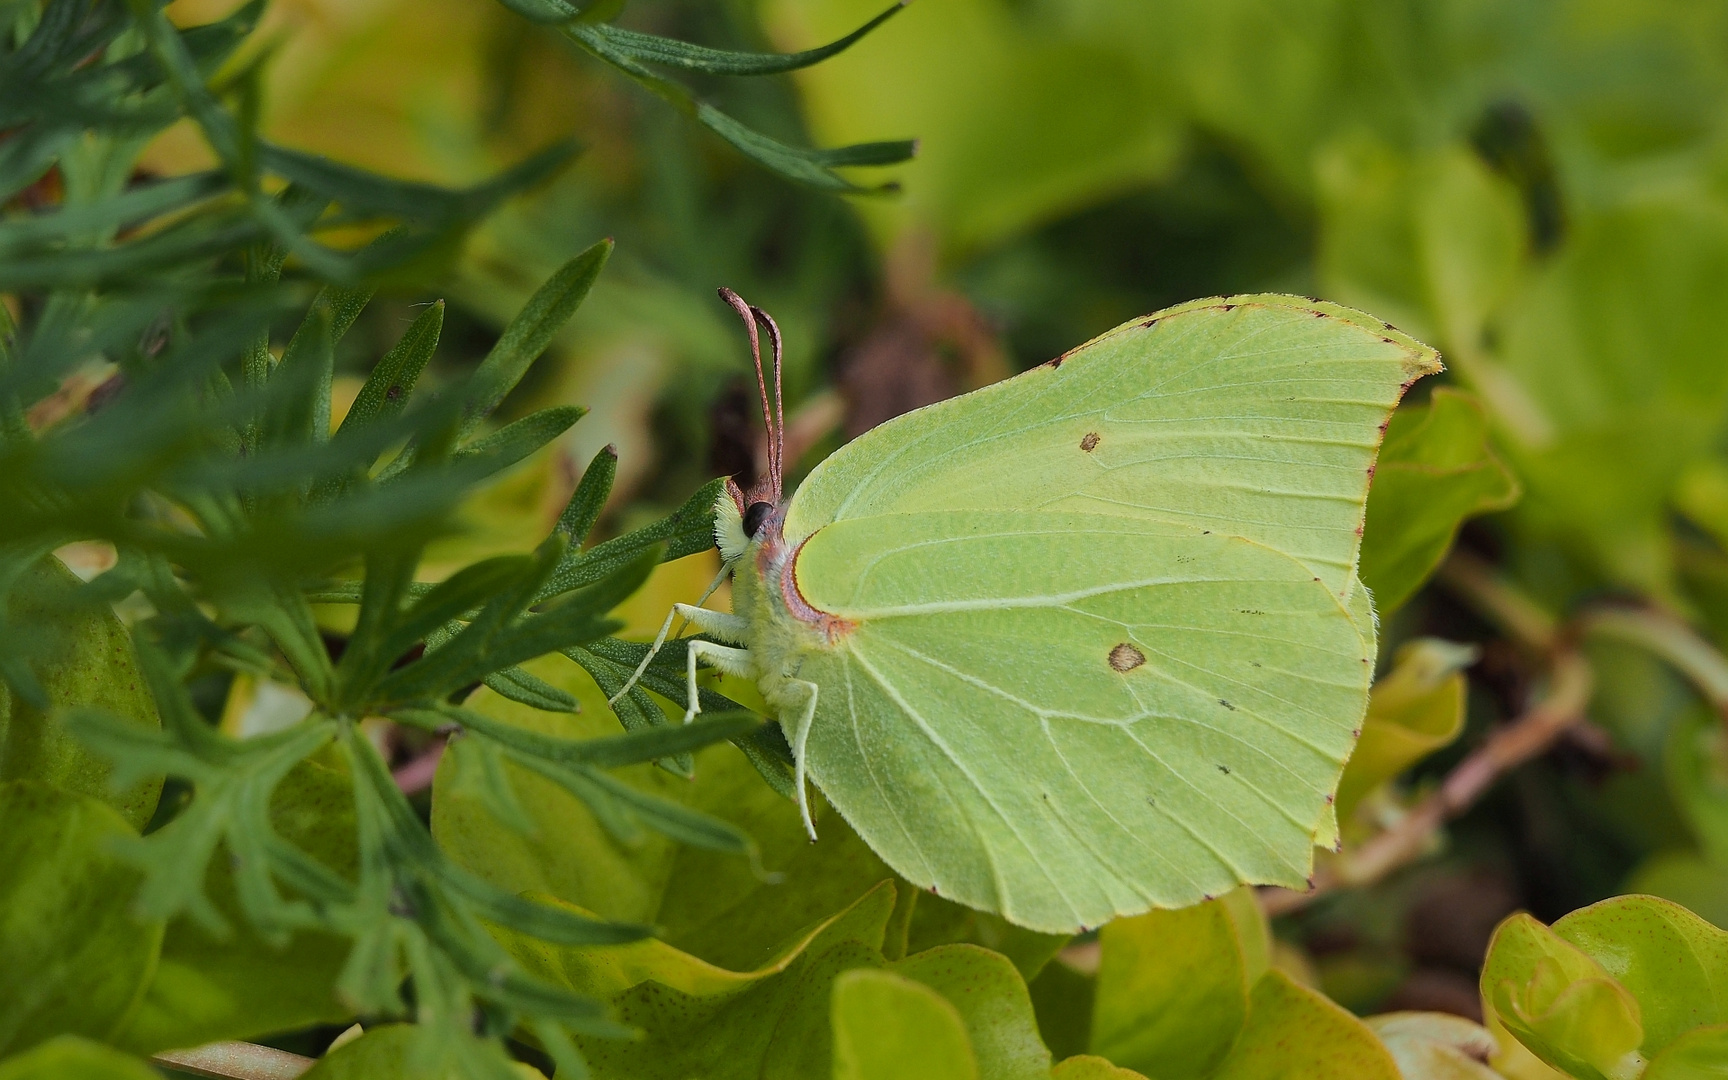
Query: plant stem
1500, 602
236, 1061
1670, 639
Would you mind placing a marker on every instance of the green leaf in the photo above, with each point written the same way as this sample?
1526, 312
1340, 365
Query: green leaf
936, 921
83, 657
887, 1027
772, 1021
589, 498
685, 531
1174, 985
811, 167
1413, 710
1436, 1046
1695, 766
709, 903
993, 1004
1021, 120
209, 989
69, 1057
411, 1052
515, 441
1435, 242
382, 1053
1674, 964
385, 393
1617, 350
1090, 1067
531, 331
1434, 472
1560, 1003
75, 957
1687, 878
1294, 1033
1063, 999
1701, 1054
679, 54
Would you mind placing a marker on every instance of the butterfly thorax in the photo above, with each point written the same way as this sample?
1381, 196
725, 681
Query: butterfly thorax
783, 627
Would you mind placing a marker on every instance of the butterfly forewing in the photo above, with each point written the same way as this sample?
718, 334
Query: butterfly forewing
1258, 416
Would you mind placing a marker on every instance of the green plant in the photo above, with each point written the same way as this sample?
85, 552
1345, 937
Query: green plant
181, 865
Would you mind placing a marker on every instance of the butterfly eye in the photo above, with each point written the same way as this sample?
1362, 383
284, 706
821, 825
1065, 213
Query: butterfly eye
755, 515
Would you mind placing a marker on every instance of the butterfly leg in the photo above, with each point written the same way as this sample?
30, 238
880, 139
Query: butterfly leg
718, 623
738, 662
800, 736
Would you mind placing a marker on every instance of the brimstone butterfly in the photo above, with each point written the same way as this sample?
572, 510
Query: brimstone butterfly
1090, 640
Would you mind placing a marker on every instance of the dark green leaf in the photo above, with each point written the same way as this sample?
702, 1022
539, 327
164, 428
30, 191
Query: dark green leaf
679, 54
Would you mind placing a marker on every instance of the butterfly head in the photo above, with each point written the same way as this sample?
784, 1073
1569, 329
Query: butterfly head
757, 514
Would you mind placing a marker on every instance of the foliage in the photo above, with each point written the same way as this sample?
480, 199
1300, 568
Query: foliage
271, 535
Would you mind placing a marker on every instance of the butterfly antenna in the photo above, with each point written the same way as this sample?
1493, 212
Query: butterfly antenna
748, 314
778, 437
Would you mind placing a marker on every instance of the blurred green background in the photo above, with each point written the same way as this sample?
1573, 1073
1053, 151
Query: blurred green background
1538, 188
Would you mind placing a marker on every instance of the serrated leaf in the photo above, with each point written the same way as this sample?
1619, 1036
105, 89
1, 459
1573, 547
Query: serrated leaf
207, 989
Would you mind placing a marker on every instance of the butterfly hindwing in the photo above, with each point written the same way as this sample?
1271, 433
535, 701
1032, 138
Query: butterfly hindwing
1138, 718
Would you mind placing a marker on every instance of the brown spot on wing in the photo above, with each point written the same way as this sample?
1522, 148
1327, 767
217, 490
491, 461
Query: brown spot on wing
1126, 657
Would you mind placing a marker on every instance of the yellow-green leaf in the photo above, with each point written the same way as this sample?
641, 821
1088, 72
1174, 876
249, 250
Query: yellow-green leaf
1701, 1054
74, 959
69, 1057
1436, 470
1092, 1067
891, 1028
1413, 710
1560, 1003
1294, 1033
83, 659
1674, 964
1174, 985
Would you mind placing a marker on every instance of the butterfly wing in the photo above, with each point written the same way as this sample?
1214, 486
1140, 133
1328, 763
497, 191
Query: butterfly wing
1136, 719
1109, 651
1259, 416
